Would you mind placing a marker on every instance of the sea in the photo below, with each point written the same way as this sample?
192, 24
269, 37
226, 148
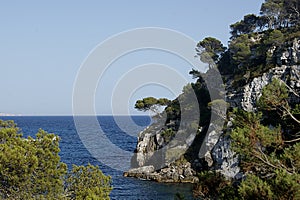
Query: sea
73, 151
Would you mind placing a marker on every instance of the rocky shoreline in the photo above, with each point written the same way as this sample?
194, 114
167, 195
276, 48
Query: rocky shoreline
172, 174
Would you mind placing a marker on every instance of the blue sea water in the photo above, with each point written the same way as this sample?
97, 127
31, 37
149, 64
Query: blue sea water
73, 151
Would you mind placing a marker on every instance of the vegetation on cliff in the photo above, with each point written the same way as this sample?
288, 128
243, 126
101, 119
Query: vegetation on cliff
266, 140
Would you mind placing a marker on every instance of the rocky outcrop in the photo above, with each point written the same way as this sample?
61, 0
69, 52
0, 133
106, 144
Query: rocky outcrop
171, 174
225, 160
211, 138
144, 172
214, 150
149, 140
246, 97
155, 155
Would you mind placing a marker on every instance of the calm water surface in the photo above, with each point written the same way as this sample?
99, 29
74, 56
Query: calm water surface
74, 152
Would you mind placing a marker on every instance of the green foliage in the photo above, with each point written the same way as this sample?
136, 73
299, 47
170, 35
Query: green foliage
281, 13
272, 9
255, 188
285, 185
31, 168
253, 142
173, 110
213, 185
291, 158
194, 96
282, 186
225, 64
50, 171
246, 26
269, 159
291, 12
271, 165
274, 104
270, 162
209, 50
258, 40
168, 134
88, 183
274, 38
151, 103
274, 96
292, 34
296, 110
240, 49
203, 97
145, 103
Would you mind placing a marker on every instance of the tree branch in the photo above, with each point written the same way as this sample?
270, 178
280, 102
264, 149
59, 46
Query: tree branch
266, 161
294, 140
293, 91
291, 115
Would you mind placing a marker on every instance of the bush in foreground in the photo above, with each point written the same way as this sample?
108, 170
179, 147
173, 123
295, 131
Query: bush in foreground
31, 169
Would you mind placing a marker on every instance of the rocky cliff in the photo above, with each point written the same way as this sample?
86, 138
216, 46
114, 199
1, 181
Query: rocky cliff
287, 70
161, 160
215, 152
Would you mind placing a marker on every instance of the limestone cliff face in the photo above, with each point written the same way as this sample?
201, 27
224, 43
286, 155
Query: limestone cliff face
157, 159
250, 93
288, 70
215, 152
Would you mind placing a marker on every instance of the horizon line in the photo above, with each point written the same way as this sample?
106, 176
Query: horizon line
66, 115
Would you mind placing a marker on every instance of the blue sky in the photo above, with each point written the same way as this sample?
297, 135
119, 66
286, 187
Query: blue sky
43, 44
